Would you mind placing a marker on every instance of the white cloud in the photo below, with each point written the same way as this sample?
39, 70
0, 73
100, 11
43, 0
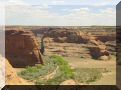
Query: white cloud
58, 1
16, 2
110, 11
63, 2
80, 10
86, 17
27, 13
42, 16
2, 15
39, 15
2, 2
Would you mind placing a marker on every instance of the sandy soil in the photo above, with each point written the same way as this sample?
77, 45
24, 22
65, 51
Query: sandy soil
90, 63
108, 78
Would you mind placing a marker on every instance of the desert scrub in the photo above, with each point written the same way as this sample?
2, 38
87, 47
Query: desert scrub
64, 72
86, 75
33, 73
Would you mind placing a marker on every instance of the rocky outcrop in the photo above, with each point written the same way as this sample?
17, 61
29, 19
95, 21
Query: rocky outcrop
105, 38
21, 48
2, 71
70, 36
99, 52
8, 75
98, 49
11, 77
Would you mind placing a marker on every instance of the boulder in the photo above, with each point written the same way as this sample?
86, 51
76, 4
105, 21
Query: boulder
21, 48
104, 58
68, 82
98, 51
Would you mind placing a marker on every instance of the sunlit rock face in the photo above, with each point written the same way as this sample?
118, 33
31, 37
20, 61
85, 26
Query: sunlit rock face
11, 77
2, 72
97, 48
21, 48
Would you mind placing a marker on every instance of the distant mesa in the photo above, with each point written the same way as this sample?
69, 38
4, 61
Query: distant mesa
95, 43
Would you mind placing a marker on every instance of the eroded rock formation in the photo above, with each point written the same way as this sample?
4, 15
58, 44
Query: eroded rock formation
105, 38
99, 52
98, 49
21, 48
70, 36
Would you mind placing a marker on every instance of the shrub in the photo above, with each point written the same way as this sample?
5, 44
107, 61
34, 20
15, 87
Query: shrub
64, 72
32, 73
86, 75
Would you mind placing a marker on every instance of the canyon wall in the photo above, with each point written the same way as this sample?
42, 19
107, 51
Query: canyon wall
21, 48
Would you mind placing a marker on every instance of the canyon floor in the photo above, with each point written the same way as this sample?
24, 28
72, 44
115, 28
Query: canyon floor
78, 57
69, 57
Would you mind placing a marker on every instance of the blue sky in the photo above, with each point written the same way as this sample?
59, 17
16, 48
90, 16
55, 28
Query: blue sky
67, 2
60, 12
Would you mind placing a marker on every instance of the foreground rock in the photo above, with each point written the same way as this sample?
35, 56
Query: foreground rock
22, 48
11, 76
68, 82
2, 71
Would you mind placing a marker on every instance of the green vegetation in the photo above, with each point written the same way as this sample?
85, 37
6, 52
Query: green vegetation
32, 73
64, 72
